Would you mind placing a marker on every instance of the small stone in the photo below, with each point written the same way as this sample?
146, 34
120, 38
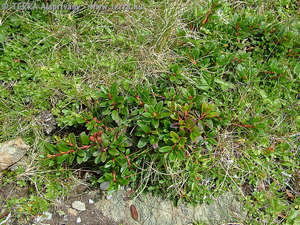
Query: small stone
11, 152
66, 218
72, 212
91, 201
78, 205
47, 215
47, 121
104, 185
108, 197
38, 219
78, 220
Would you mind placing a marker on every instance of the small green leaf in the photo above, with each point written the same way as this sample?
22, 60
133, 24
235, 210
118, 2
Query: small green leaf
114, 89
79, 159
62, 158
105, 140
212, 141
106, 112
72, 138
204, 107
180, 155
108, 164
174, 116
113, 152
97, 159
192, 91
209, 123
2, 38
172, 156
202, 84
96, 153
71, 159
142, 142
147, 115
51, 163
163, 115
103, 156
50, 147
165, 149
174, 136
212, 115
194, 135
149, 108
155, 123
159, 106
81, 153
185, 93
153, 139
62, 147
224, 84
80, 120
144, 127
84, 139
182, 142
115, 116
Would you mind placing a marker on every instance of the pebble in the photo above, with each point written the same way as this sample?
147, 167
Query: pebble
65, 218
108, 197
78, 205
91, 201
104, 186
78, 220
47, 215
72, 212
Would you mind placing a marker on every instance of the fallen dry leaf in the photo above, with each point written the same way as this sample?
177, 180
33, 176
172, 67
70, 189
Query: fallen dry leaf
289, 194
281, 215
134, 213
261, 186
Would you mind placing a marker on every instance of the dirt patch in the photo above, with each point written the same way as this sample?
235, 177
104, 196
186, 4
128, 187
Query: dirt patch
64, 214
61, 212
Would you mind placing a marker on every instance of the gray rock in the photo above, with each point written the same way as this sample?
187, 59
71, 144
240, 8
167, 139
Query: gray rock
47, 121
65, 218
47, 215
11, 152
78, 220
104, 186
153, 210
78, 205
108, 197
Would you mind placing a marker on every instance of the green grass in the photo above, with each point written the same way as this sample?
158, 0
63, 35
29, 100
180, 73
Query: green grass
244, 59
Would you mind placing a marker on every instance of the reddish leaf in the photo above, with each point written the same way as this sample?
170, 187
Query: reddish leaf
134, 213
114, 176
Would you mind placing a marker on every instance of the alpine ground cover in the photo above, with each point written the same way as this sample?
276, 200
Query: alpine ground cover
194, 98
